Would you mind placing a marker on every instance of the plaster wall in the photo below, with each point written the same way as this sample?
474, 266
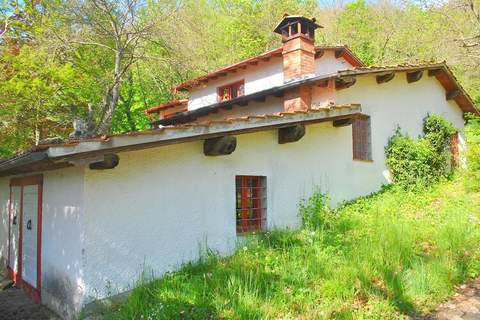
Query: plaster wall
62, 240
327, 63
263, 76
160, 207
400, 104
257, 78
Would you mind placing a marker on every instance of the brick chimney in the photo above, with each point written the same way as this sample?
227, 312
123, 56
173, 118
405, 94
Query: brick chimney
298, 37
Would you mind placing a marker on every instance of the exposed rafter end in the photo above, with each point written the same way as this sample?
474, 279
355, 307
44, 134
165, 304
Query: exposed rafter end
219, 146
452, 94
339, 53
110, 161
319, 54
414, 76
345, 82
279, 94
322, 84
434, 72
342, 122
386, 77
291, 134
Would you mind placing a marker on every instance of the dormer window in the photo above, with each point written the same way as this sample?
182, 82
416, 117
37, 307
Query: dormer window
231, 91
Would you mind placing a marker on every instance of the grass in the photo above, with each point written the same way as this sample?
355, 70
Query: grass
390, 255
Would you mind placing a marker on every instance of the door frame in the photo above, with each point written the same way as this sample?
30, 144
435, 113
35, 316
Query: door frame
33, 292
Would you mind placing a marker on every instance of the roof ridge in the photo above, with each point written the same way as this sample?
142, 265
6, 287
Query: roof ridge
254, 60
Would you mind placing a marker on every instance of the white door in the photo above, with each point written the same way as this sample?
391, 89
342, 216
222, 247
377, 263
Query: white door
14, 227
29, 234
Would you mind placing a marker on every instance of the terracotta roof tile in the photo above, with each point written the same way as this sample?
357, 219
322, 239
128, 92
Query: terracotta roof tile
347, 54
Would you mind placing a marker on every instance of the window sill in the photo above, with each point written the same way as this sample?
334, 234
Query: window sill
249, 233
362, 160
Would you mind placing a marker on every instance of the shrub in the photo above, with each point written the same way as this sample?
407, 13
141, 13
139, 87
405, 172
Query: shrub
316, 211
423, 161
438, 132
412, 162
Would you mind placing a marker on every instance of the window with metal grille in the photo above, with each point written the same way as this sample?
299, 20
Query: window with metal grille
251, 203
231, 91
362, 139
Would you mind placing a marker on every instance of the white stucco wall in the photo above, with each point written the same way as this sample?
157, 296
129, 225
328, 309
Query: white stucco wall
159, 206
398, 103
329, 64
62, 240
264, 75
260, 77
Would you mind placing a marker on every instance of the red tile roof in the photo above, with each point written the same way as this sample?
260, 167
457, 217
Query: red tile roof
166, 105
344, 51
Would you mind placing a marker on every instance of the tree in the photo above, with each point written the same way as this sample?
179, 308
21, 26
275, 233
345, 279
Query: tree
116, 27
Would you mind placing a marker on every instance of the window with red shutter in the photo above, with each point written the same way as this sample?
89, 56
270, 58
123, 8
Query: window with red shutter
251, 203
231, 91
362, 139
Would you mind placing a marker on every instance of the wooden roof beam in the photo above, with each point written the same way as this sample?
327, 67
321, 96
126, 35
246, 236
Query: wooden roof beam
386, 77
345, 82
339, 53
450, 95
291, 134
342, 122
434, 72
319, 54
219, 146
414, 76
278, 94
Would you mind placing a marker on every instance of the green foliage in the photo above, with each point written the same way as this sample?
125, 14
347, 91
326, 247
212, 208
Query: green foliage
472, 133
423, 161
438, 131
387, 256
410, 161
315, 210
193, 37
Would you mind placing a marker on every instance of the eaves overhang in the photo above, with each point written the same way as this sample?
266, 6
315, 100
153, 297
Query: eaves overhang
73, 152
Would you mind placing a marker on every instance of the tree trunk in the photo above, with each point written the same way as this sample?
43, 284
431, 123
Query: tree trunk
111, 98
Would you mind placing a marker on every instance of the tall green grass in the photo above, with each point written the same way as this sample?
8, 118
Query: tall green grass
386, 256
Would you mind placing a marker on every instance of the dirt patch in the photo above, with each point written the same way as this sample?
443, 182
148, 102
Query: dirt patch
464, 305
14, 304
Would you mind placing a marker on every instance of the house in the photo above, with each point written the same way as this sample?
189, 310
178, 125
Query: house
82, 219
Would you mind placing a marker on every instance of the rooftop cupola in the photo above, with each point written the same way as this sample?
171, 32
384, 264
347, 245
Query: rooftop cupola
297, 26
298, 37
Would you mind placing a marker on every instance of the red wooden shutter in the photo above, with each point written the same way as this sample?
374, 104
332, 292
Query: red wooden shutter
361, 136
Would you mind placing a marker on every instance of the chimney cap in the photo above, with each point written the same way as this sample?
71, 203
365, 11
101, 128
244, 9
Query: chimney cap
287, 19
